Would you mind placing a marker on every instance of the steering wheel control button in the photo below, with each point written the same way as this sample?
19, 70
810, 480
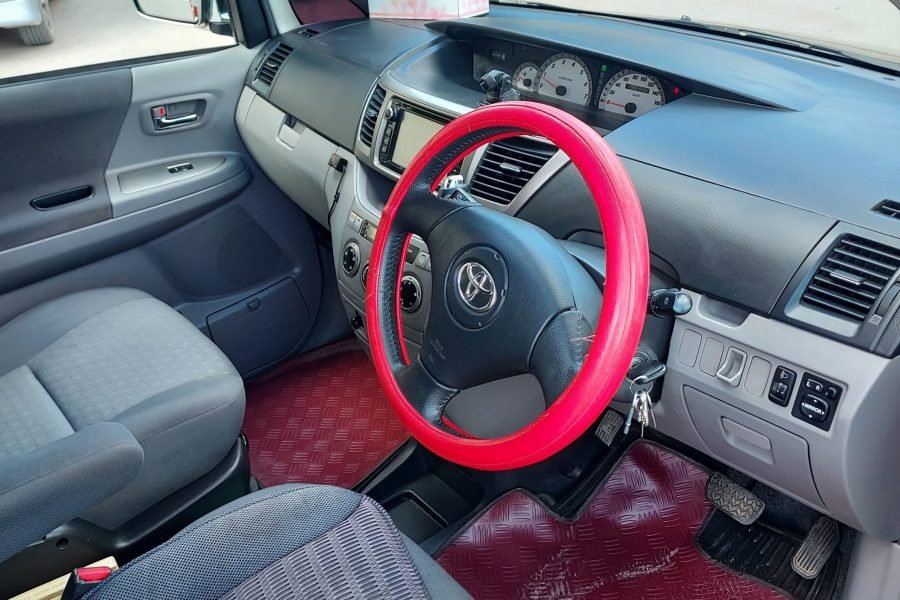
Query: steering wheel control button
814, 409
476, 287
350, 259
410, 294
782, 386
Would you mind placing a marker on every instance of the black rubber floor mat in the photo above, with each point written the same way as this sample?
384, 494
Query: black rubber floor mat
764, 553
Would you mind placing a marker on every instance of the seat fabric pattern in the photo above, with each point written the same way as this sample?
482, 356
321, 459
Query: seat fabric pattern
29, 418
119, 355
122, 357
282, 543
356, 559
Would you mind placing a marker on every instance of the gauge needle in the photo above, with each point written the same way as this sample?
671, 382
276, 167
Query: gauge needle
615, 103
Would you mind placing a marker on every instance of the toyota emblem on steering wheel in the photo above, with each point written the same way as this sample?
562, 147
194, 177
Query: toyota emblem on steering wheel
476, 287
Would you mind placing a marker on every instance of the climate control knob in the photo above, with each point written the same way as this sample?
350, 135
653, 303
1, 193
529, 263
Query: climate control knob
350, 259
364, 278
410, 294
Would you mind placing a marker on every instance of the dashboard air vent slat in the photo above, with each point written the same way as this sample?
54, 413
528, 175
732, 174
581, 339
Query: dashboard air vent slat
888, 208
851, 278
370, 116
272, 63
507, 166
309, 33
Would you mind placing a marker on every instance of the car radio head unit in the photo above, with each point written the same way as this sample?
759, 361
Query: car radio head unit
407, 130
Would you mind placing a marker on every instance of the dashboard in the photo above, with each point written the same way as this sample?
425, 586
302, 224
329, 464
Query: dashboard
602, 92
770, 188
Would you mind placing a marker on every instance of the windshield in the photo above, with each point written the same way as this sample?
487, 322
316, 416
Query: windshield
860, 27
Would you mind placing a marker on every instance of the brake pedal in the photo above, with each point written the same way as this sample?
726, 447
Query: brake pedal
736, 501
817, 547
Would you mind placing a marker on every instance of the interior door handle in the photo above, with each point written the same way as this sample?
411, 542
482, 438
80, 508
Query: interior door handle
175, 121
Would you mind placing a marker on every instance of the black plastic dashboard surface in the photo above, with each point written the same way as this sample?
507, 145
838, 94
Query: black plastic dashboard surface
327, 78
741, 179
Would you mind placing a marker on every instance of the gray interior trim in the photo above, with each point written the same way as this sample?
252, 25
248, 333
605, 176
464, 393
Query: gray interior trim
847, 463
874, 570
26, 264
52, 144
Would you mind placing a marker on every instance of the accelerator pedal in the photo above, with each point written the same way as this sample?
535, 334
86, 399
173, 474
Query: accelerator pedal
818, 546
736, 501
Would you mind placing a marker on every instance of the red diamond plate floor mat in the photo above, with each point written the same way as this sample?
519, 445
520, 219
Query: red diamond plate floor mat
633, 541
321, 417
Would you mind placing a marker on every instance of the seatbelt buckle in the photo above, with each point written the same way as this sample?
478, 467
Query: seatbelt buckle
83, 580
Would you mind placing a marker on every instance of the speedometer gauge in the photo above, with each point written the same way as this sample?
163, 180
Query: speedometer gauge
632, 94
526, 77
565, 77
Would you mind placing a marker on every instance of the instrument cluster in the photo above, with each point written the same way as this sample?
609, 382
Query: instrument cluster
606, 90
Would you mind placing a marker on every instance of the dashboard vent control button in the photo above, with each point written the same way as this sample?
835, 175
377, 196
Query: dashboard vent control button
814, 409
851, 278
272, 63
370, 116
507, 166
782, 386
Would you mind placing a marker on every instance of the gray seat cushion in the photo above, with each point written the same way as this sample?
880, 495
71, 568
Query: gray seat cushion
119, 355
286, 543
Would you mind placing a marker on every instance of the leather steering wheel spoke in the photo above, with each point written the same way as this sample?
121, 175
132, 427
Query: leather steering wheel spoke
424, 210
560, 351
428, 396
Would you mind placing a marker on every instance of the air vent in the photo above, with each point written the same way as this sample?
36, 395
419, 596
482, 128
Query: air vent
852, 277
270, 66
507, 166
309, 33
888, 208
367, 129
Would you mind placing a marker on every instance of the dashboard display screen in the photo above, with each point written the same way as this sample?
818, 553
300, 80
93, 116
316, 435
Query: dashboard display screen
414, 132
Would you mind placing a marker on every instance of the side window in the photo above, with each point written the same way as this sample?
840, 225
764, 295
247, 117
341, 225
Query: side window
37, 36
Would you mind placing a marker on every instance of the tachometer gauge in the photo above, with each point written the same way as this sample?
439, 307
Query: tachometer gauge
565, 77
632, 94
526, 77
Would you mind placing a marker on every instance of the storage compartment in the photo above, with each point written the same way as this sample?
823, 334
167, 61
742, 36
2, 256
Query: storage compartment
294, 156
262, 328
770, 453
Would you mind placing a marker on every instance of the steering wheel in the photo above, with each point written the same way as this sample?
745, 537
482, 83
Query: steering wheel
507, 299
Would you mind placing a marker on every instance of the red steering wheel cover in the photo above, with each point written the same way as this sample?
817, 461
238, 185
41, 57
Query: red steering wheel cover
624, 303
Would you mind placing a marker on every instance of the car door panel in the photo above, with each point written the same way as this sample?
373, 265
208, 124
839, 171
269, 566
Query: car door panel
58, 135
218, 240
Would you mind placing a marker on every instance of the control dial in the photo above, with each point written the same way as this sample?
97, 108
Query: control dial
364, 278
350, 259
410, 294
